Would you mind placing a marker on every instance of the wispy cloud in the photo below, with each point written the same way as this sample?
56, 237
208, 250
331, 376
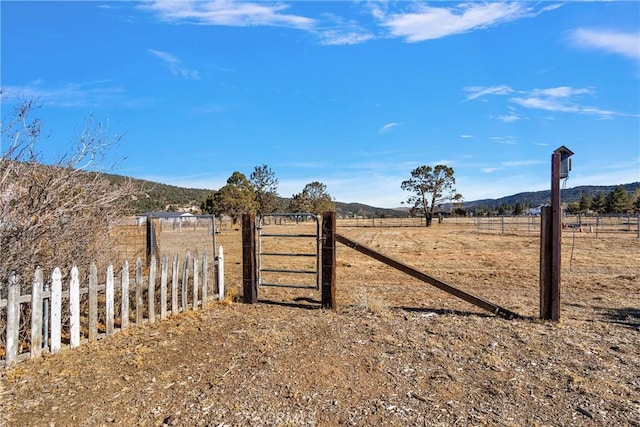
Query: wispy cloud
511, 117
339, 37
621, 43
563, 99
475, 92
175, 65
428, 22
490, 170
229, 13
85, 94
464, 135
386, 128
520, 163
505, 140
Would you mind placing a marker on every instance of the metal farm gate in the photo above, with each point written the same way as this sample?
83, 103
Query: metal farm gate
288, 250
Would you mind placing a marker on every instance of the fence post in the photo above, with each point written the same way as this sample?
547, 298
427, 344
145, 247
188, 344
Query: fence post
196, 280
124, 315
139, 299
174, 284
13, 320
185, 280
151, 294
249, 283
74, 308
36, 314
93, 302
56, 310
163, 286
109, 297
205, 279
329, 260
220, 272
152, 240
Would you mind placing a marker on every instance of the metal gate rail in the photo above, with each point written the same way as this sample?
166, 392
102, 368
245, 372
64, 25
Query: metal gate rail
316, 236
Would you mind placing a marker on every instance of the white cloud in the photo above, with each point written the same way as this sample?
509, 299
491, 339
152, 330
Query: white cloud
509, 118
229, 13
490, 170
506, 140
466, 136
175, 65
561, 92
388, 127
480, 91
626, 44
562, 99
86, 94
428, 22
337, 37
520, 163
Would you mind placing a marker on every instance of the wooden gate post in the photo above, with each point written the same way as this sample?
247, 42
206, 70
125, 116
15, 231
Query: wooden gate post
546, 237
329, 260
249, 280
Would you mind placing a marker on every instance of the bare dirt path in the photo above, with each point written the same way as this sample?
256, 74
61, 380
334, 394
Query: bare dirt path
396, 352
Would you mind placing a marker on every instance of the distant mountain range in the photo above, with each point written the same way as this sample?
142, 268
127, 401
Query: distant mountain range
159, 197
537, 198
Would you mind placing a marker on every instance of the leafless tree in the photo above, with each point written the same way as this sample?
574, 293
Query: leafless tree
60, 213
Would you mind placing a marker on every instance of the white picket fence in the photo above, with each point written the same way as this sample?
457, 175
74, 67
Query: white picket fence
46, 331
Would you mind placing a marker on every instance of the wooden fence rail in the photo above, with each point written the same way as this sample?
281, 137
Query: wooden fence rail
46, 333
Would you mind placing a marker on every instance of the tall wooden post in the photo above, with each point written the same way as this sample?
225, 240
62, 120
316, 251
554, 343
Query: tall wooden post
550, 239
329, 260
545, 262
249, 282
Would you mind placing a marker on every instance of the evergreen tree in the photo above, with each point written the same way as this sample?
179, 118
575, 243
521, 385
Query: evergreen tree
618, 201
314, 198
518, 210
585, 203
265, 187
235, 198
599, 203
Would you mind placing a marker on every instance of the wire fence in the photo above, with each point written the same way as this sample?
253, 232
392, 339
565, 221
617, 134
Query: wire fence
596, 226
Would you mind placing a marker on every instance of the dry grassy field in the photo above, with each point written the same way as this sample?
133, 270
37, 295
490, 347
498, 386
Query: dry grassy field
396, 351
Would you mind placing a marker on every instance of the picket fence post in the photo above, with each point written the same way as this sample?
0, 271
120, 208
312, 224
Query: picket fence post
124, 312
174, 285
195, 280
36, 314
74, 308
205, 284
56, 310
139, 300
185, 279
93, 302
220, 272
163, 287
109, 296
13, 320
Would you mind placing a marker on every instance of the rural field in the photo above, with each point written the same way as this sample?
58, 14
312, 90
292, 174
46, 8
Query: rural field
395, 352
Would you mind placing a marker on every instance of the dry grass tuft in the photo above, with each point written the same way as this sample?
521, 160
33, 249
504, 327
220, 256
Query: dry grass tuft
371, 304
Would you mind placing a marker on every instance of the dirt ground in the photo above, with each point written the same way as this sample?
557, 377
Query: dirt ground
395, 352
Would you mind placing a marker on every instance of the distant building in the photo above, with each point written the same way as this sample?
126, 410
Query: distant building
536, 211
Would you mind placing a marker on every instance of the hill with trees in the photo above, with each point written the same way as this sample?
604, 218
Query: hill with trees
156, 196
536, 198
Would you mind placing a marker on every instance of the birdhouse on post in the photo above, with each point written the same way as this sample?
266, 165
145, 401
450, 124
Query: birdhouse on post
565, 161
550, 238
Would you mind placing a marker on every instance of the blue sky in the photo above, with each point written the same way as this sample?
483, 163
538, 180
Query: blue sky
352, 94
